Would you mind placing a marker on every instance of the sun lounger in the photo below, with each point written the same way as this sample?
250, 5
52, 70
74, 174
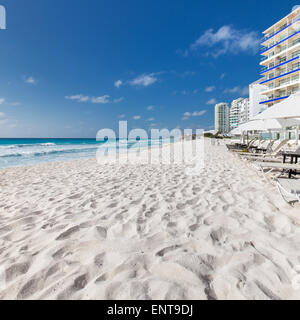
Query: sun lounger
271, 166
238, 146
273, 151
264, 146
264, 159
289, 188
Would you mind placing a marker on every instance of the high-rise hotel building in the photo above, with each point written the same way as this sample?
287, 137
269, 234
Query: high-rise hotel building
222, 118
281, 59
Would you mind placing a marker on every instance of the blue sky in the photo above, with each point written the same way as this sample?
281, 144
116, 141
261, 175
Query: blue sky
70, 68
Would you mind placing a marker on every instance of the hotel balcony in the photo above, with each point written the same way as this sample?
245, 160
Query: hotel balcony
281, 26
280, 38
279, 94
281, 49
281, 60
287, 70
282, 83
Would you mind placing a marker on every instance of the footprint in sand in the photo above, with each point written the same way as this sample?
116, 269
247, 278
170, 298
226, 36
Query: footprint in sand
30, 288
68, 233
102, 232
99, 260
17, 270
162, 252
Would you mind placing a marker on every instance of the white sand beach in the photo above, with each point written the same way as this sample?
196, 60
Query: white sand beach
80, 230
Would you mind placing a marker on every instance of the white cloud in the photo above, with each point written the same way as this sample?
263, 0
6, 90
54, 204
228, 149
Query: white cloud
144, 80
14, 104
211, 101
228, 40
122, 116
210, 89
119, 100
136, 117
78, 97
187, 115
150, 119
30, 80
2, 115
118, 83
222, 76
102, 100
82, 98
150, 108
198, 113
243, 91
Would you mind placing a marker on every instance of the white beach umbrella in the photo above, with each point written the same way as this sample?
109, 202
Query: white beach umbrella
265, 125
289, 108
273, 124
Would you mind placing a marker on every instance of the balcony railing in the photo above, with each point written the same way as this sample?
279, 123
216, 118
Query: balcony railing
287, 36
280, 50
283, 37
282, 95
282, 61
275, 31
280, 29
280, 73
285, 82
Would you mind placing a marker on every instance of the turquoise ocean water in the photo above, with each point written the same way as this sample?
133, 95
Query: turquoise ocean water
23, 152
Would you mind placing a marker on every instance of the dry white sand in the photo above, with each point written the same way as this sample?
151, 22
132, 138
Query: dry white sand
79, 230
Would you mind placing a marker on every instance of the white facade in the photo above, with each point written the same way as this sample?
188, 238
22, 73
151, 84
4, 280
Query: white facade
281, 59
222, 118
239, 112
255, 97
244, 111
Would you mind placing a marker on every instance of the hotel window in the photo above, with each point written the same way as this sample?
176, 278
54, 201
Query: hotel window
282, 60
296, 54
295, 42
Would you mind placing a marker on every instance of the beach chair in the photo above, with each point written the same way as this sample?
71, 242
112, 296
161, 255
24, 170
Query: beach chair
263, 159
272, 154
289, 189
264, 146
271, 166
290, 146
252, 143
276, 146
255, 144
236, 146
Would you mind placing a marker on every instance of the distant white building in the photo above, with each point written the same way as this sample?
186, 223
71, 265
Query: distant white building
255, 98
234, 114
244, 111
222, 118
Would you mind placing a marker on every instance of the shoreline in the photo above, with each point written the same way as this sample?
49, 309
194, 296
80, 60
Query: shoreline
142, 150
42, 159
